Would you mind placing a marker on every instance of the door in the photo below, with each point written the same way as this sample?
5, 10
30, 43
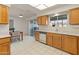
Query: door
69, 44
57, 40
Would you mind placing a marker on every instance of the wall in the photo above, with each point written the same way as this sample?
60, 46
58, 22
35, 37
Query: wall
69, 28
20, 25
11, 23
4, 29
28, 25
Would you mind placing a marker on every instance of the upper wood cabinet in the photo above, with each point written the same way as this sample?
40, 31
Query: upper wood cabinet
37, 35
69, 44
74, 16
57, 40
39, 20
4, 14
42, 20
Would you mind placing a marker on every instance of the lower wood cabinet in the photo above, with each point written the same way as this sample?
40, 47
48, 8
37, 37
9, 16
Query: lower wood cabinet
37, 35
4, 46
57, 40
49, 39
69, 44
5, 49
66, 43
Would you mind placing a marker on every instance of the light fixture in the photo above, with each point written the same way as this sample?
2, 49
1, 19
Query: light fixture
42, 6
56, 14
21, 16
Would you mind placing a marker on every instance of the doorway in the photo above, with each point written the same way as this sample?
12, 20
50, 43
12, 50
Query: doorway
33, 27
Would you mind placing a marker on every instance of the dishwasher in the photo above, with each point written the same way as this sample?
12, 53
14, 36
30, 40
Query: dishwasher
43, 37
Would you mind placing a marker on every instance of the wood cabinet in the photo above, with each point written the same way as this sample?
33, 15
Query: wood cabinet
37, 35
42, 20
4, 46
57, 40
64, 42
4, 14
74, 16
49, 39
39, 20
69, 44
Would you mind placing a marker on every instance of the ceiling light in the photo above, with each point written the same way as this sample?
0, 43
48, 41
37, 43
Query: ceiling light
42, 6
56, 14
20, 16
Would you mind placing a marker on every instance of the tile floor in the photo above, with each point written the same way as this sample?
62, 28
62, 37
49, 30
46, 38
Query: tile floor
31, 47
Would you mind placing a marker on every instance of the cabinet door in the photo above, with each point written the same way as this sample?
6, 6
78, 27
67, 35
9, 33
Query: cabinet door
4, 14
44, 20
69, 44
57, 40
49, 39
5, 49
74, 16
39, 20
37, 36
0, 13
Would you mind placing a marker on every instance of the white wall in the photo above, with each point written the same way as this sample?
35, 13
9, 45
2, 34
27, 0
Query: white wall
20, 25
28, 25
4, 29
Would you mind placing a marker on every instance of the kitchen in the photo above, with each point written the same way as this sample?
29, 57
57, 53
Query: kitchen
58, 27
62, 33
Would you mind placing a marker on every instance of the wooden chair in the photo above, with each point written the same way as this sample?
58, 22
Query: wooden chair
16, 35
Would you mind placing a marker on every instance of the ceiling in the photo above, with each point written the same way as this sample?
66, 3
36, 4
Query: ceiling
42, 6
22, 9
26, 10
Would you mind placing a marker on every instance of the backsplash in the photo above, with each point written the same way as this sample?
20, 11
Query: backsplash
4, 29
68, 28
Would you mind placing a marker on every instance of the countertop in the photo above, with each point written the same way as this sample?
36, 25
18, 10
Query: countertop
4, 36
60, 32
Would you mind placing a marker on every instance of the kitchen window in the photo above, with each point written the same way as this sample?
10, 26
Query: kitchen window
60, 20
